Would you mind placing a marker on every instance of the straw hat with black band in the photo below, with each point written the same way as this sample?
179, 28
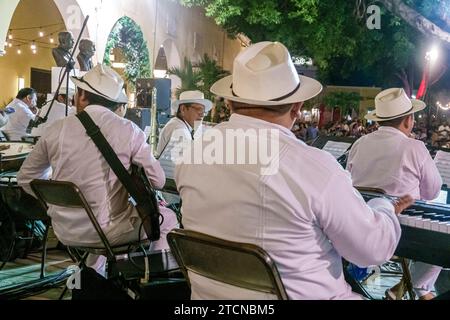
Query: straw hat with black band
104, 82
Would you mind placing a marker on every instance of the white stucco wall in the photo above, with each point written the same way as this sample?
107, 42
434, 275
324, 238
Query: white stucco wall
7, 8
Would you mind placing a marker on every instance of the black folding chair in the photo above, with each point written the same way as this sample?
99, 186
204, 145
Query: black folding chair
23, 208
242, 265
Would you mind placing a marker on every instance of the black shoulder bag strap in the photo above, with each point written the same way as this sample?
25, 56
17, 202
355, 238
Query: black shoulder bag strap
138, 198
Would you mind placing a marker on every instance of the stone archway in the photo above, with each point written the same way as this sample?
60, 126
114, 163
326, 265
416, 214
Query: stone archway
70, 11
28, 55
127, 52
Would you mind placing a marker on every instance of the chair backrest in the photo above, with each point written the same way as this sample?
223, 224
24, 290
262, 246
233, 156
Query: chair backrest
242, 265
21, 205
68, 195
370, 190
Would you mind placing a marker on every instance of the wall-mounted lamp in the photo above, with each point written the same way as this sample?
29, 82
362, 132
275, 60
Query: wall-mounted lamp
20, 83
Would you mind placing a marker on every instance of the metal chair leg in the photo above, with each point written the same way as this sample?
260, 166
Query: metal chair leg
10, 252
407, 279
63, 293
44, 251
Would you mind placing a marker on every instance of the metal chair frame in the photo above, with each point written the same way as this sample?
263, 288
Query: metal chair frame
31, 216
406, 278
68, 195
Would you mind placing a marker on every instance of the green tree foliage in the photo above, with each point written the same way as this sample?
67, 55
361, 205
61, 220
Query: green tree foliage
344, 49
190, 77
209, 72
198, 77
128, 37
345, 101
201, 77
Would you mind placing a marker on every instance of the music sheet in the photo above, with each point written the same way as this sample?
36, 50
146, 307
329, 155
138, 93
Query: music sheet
442, 160
168, 157
337, 149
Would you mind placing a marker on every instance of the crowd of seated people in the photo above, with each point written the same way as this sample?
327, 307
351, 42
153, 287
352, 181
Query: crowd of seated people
436, 134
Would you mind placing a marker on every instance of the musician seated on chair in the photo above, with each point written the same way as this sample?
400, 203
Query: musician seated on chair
66, 149
4, 116
57, 112
25, 110
189, 112
299, 205
391, 160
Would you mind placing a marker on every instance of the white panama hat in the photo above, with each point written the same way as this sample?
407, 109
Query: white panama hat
192, 97
264, 75
103, 81
392, 104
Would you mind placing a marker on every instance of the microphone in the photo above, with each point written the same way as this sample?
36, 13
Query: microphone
35, 123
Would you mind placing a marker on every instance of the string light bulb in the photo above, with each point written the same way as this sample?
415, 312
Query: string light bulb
10, 36
10, 44
52, 40
34, 51
19, 51
41, 33
443, 107
33, 46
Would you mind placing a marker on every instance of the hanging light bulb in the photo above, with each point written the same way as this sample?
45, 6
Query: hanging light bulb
34, 51
33, 46
10, 36
19, 51
9, 44
41, 33
52, 40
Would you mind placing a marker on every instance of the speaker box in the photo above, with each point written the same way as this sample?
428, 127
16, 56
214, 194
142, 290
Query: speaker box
144, 88
140, 116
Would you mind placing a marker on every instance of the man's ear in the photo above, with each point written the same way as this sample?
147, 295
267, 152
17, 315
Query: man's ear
296, 110
409, 120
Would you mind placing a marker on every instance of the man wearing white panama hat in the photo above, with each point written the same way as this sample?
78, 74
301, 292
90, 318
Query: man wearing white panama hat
392, 161
66, 148
306, 215
57, 112
188, 113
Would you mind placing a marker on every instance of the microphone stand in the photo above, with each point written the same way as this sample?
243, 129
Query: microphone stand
68, 68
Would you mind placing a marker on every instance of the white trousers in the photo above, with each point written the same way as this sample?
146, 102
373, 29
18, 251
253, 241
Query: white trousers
98, 263
423, 277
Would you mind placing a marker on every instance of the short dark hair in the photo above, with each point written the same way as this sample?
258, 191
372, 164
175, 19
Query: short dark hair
25, 92
101, 101
394, 122
279, 109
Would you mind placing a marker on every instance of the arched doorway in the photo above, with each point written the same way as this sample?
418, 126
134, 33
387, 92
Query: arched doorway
31, 34
127, 52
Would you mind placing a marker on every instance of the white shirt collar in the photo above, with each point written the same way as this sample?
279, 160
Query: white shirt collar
245, 121
391, 130
184, 123
21, 103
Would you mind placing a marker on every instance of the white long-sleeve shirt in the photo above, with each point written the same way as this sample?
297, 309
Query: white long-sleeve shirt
16, 128
389, 160
306, 216
73, 156
181, 129
58, 112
